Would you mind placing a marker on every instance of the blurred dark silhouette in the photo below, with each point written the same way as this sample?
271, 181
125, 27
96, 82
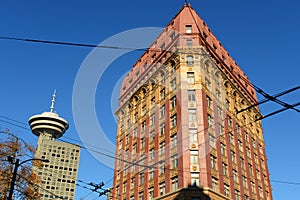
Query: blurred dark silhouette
192, 193
189, 193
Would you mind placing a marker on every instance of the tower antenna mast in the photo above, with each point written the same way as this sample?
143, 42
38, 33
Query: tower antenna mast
53, 101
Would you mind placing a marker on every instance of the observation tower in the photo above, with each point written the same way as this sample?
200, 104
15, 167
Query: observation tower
60, 174
49, 123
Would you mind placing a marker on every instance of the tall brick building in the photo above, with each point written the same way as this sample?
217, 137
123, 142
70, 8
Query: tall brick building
182, 121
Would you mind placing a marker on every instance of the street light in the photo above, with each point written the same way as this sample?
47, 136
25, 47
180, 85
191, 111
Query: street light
17, 165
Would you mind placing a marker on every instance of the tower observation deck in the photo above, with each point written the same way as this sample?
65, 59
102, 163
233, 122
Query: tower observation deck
49, 122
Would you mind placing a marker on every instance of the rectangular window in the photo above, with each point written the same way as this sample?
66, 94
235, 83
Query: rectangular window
244, 179
173, 84
141, 178
173, 102
162, 129
143, 125
221, 129
253, 143
212, 140
144, 110
190, 77
141, 196
152, 136
151, 156
213, 162
193, 136
188, 28
218, 94
215, 184
220, 113
124, 186
210, 121
135, 132
162, 94
151, 174
191, 95
260, 191
233, 159
252, 187
248, 152
250, 169
208, 102
174, 184
162, 189
258, 174
189, 42
172, 36
242, 161
231, 138
235, 176
161, 148
161, 167
174, 162
238, 129
192, 115
229, 120
162, 111
246, 136
223, 149
173, 140
152, 119
224, 169
134, 149
142, 143
152, 103
151, 193
194, 157
237, 195
240, 145
127, 139
226, 190
173, 121
195, 179
136, 117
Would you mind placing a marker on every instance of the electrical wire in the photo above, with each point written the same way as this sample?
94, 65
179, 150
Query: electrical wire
268, 99
40, 187
8, 118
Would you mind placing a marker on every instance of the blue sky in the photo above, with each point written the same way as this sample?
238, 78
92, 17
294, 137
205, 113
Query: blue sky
262, 36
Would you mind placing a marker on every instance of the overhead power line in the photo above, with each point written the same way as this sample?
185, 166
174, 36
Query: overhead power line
71, 44
268, 99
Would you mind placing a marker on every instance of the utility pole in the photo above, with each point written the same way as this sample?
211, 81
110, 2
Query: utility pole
17, 164
13, 181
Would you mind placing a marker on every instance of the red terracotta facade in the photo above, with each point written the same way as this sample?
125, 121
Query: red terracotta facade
179, 122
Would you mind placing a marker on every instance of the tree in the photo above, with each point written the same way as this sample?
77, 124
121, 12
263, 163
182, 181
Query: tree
26, 186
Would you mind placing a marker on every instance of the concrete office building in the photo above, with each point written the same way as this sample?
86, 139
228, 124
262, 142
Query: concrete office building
184, 121
58, 177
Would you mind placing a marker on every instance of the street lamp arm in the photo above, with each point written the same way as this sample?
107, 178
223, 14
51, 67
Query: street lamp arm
43, 160
17, 164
